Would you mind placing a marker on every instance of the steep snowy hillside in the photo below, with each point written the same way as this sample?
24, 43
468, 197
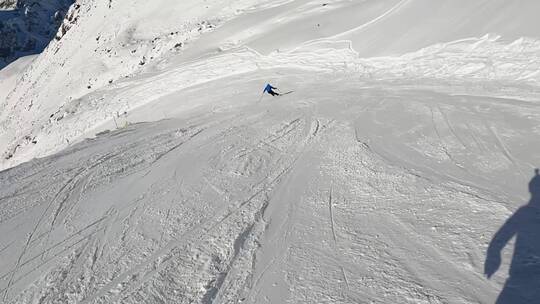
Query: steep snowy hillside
143, 165
103, 43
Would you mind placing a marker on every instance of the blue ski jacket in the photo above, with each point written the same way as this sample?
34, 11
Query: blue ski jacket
268, 88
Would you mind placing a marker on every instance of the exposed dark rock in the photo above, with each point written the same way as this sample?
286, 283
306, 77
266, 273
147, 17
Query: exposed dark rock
27, 26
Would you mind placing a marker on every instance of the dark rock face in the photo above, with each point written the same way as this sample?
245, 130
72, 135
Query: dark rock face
7, 4
27, 26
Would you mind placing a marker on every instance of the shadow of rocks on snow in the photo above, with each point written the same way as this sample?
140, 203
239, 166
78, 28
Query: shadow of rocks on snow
523, 284
29, 27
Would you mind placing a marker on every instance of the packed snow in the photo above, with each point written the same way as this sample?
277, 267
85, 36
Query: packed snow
142, 163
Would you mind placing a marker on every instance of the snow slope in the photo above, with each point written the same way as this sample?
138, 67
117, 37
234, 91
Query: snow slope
379, 180
102, 43
382, 193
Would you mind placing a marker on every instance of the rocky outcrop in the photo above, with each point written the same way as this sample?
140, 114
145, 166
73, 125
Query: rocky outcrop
27, 26
7, 4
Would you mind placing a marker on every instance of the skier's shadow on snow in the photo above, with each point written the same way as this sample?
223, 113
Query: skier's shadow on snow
523, 284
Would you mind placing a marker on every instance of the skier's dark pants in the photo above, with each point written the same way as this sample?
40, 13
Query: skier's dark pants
273, 93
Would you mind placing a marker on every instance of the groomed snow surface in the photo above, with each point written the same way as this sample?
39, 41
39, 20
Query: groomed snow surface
143, 165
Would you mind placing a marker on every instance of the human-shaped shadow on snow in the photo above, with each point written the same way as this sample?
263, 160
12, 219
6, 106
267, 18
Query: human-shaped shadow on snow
523, 285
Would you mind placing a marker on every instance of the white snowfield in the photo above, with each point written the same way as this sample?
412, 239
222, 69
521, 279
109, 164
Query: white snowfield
143, 165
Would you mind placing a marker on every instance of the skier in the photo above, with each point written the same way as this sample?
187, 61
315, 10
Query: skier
270, 90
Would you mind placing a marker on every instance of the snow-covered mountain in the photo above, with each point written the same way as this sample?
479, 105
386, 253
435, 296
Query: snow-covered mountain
103, 42
142, 163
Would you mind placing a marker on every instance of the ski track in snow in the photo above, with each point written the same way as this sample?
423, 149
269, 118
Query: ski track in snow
230, 205
377, 180
88, 115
